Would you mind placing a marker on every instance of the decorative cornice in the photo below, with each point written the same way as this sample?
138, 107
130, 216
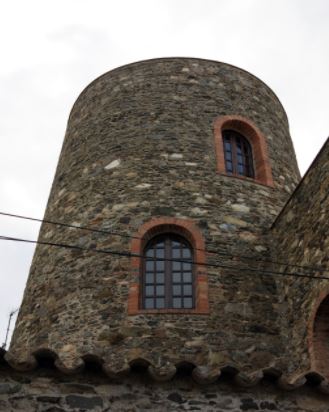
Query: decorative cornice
201, 374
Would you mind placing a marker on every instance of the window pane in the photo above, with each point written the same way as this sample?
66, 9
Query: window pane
149, 303
187, 266
188, 303
177, 290
160, 303
159, 253
149, 290
160, 266
150, 252
159, 278
149, 278
176, 277
240, 169
228, 146
177, 303
229, 167
228, 155
186, 253
176, 266
175, 244
160, 245
187, 277
187, 290
150, 265
176, 253
160, 290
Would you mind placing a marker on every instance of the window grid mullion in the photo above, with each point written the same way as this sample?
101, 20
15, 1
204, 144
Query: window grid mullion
181, 274
234, 155
168, 271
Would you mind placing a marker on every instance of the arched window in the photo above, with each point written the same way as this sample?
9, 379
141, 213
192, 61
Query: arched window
241, 149
237, 154
168, 273
320, 338
168, 268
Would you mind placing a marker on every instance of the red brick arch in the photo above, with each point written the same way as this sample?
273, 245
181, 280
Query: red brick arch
249, 130
192, 233
318, 334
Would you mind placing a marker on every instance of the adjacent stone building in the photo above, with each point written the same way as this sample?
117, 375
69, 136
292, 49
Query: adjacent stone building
177, 259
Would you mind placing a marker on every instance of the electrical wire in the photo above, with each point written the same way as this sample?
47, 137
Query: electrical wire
116, 233
127, 254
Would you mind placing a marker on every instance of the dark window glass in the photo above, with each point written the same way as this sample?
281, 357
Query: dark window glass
160, 290
177, 277
160, 303
149, 278
237, 154
177, 303
176, 254
149, 265
187, 277
149, 303
149, 291
187, 302
187, 290
177, 290
168, 283
159, 278
160, 266
160, 253
176, 265
150, 252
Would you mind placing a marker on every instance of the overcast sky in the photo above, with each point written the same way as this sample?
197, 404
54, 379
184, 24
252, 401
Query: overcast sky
50, 50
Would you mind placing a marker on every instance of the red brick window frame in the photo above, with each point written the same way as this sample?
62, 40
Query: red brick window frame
318, 335
188, 230
261, 163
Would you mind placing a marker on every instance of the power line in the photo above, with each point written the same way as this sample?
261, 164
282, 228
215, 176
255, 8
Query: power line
52, 222
116, 233
127, 254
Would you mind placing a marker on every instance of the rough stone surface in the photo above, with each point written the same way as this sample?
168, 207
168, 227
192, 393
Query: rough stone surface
301, 238
138, 393
83, 402
113, 164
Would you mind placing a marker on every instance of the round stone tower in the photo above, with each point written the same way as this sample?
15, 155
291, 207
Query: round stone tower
178, 167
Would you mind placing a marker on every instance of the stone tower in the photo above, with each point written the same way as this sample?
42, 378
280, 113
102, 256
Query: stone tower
174, 151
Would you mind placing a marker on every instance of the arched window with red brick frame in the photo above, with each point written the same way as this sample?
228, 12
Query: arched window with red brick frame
241, 149
320, 339
168, 268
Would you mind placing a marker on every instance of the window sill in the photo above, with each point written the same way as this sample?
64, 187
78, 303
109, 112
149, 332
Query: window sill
168, 311
245, 178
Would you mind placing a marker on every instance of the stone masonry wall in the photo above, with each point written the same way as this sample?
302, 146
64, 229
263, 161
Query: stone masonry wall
301, 238
46, 390
140, 144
